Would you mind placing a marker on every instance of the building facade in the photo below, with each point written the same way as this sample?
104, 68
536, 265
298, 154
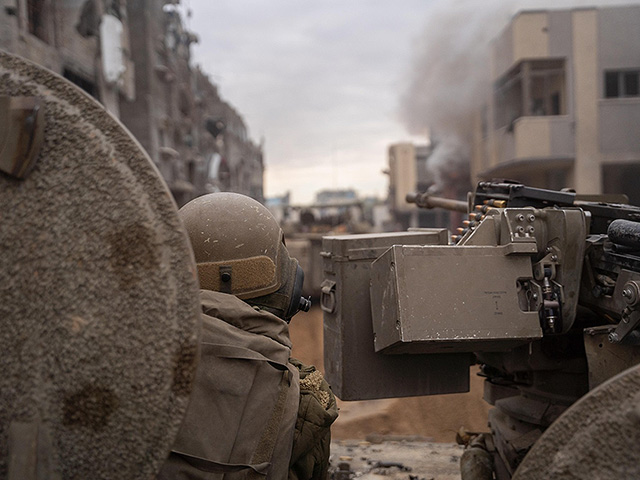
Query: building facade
85, 41
412, 170
564, 109
403, 175
198, 141
134, 56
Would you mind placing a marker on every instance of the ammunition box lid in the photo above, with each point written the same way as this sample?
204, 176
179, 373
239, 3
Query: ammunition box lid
369, 246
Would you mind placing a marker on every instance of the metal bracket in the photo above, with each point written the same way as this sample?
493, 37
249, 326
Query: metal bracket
21, 134
630, 315
328, 296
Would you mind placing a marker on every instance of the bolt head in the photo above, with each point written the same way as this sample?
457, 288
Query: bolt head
630, 293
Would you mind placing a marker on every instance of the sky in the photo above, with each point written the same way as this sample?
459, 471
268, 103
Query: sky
330, 84
319, 81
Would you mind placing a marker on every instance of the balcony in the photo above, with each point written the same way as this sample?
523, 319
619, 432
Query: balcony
535, 138
531, 121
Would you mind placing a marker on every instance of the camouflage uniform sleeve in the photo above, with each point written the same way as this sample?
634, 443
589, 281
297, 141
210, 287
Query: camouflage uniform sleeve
312, 437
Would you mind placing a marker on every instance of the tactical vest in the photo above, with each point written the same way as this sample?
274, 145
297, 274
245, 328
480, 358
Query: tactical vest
242, 412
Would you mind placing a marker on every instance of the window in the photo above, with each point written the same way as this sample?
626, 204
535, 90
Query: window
556, 106
84, 83
630, 84
622, 83
38, 17
611, 88
531, 88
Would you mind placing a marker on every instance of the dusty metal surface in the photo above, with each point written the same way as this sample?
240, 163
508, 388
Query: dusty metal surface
352, 366
98, 297
598, 437
624, 232
606, 359
529, 272
449, 299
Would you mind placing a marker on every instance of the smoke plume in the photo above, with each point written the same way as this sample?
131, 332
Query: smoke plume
448, 77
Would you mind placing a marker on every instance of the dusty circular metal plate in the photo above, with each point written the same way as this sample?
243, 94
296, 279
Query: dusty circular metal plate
99, 304
598, 437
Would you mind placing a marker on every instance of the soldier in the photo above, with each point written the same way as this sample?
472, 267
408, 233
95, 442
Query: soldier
254, 412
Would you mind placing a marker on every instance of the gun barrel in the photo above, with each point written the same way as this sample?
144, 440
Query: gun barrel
425, 200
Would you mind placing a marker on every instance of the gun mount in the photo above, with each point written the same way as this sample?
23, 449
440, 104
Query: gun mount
539, 287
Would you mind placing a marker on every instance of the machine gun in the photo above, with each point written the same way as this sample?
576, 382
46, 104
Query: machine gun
541, 288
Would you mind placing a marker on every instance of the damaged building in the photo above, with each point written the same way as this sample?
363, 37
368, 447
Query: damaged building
85, 41
564, 110
134, 56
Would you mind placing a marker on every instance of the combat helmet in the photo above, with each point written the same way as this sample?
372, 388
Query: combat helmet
239, 249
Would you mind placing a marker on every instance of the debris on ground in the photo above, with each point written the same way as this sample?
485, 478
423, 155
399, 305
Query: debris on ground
398, 459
